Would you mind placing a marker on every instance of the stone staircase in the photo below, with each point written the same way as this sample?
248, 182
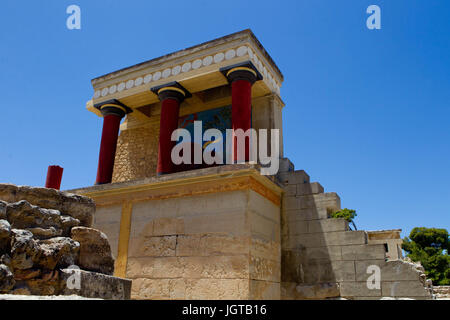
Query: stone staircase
323, 259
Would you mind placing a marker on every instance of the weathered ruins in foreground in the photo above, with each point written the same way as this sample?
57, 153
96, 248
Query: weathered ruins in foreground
48, 248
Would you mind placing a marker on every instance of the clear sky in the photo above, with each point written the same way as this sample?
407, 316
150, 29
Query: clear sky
367, 111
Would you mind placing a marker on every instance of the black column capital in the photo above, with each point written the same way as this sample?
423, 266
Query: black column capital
171, 90
113, 107
242, 71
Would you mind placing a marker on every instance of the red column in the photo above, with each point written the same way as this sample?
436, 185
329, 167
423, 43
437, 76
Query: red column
242, 79
54, 177
111, 122
171, 98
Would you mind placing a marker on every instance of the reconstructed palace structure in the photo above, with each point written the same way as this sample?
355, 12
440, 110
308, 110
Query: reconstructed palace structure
225, 231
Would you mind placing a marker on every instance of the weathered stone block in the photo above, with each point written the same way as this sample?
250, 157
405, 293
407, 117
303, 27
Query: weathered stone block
190, 245
286, 165
327, 225
155, 267
318, 271
168, 226
153, 246
95, 285
309, 188
324, 253
306, 214
397, 270
330, 201
230, 222
177, 289
290, 203
266, 249
312, 240
264, 290
218, 289
218, 267
43, 223
7, 281
412, 289
265, 269
293, 291
5, 236
263, 228
59, 252
211, 244
3, 210
358, 289
363, 252
218, 244
346, 238
95, 251
292, 263
294, 177
297, 227
78, 207
24, 249
290, 190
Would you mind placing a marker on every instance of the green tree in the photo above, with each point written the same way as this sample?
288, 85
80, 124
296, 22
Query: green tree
347, 214
430, 246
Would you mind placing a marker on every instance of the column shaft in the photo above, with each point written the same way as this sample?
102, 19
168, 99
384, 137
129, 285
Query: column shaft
110, 133
241, 112
170, 108
54, 177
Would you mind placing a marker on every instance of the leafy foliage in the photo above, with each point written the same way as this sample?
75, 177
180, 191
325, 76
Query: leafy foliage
430, 246
347, 214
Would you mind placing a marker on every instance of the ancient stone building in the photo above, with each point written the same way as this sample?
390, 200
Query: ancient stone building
225, 231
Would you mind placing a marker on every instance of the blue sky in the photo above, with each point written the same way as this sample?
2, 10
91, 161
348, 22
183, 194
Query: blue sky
367, 111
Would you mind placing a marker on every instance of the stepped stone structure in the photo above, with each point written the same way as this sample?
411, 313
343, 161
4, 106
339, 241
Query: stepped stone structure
390, 239
48, 248
322, 258
222, 231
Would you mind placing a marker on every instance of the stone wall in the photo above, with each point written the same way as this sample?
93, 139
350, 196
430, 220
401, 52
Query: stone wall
322, 258
137, 153
217, 246
442, 292
390, 239
43, 232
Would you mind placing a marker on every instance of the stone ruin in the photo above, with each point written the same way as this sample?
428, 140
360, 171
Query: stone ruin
48, 248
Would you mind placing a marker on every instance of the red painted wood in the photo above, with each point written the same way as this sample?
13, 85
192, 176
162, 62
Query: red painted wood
54, 177
110, 133
168, 123
241, 111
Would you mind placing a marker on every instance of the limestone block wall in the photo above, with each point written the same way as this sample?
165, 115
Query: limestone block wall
108, 219
442, 292
218, 246
390, 239
322, 258
137, 153
214, 246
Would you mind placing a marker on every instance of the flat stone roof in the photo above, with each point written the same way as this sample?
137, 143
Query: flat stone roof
186, 51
